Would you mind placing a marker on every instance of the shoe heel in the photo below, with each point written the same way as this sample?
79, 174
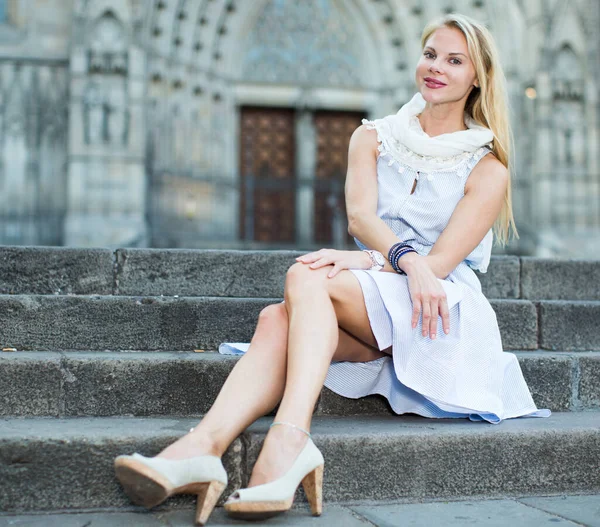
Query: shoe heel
313, 488
207, 499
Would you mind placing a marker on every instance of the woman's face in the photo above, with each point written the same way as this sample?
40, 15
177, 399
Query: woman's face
445, 58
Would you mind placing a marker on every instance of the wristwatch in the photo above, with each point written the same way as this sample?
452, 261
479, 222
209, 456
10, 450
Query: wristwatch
377, 258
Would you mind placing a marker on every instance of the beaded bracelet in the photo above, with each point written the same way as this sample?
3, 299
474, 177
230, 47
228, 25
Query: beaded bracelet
396, 252
401, 251
391, 252
397, 257
397, 247
396, 263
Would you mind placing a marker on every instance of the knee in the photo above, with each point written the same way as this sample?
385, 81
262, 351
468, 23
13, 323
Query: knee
273, 326
302, 279
274, 315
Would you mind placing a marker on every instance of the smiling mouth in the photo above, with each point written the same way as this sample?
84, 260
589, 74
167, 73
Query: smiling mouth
432, 81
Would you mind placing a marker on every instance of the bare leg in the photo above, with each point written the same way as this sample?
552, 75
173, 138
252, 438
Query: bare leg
316, 304
255, 386
252, 389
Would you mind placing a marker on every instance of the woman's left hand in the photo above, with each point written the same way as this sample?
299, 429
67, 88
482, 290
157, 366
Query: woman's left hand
339, 259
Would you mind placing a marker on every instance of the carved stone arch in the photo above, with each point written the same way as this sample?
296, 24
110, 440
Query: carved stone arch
144, 16
565, 25
380, 53
117, 31
509, 31
534, 35
120, 9
87, 15
568, 64
371, 41
108, 44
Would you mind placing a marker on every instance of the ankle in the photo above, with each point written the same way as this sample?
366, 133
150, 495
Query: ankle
283, 423
206, 442
287, 435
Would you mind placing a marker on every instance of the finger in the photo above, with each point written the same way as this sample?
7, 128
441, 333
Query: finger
445, 315
307, 258
416, 311
320, 263
314, 255
336, 269
426, 315
434, 318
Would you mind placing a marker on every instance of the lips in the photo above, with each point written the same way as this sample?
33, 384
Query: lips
434, 81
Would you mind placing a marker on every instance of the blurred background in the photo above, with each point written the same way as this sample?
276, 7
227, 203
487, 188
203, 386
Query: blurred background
225, 123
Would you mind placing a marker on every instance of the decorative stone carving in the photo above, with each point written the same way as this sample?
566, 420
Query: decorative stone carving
108, 46
32, 147
117, 117
312, 41
105, 106
568, 78
106, 155
14, 148
94, 115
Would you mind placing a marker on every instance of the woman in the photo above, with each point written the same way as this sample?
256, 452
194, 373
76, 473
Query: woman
424, 188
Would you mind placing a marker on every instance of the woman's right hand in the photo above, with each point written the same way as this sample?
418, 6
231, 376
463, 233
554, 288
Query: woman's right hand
427, 294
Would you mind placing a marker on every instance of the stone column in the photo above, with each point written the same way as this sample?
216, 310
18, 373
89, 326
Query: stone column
106, 174
591, 112
543, 164
306, 158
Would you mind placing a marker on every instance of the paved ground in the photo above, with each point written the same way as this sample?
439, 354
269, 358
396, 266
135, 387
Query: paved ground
514, 512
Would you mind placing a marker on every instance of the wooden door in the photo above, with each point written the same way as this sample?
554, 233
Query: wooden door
267, 167
333, 131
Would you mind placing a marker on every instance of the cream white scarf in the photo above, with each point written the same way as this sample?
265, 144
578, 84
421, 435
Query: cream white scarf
402, 137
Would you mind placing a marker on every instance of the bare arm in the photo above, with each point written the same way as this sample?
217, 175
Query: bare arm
472, 218
361, 194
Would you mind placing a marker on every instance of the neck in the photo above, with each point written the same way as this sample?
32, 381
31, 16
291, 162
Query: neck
444, 118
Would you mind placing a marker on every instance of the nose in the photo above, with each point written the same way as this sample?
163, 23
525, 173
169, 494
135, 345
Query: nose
434, 66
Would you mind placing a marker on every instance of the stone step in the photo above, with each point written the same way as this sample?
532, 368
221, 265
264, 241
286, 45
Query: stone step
570, 510
49, 323
61, 464
229, 273
75, 384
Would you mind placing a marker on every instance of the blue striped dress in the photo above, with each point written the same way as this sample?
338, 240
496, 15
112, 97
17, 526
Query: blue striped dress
464, 373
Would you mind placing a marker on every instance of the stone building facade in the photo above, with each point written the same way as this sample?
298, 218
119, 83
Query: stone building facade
225, 123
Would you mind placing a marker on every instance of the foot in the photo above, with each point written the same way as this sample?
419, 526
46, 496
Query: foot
190, 445
279, 451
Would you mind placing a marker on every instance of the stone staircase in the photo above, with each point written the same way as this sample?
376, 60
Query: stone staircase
115, 353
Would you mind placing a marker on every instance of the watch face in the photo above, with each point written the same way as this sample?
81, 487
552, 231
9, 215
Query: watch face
379, 258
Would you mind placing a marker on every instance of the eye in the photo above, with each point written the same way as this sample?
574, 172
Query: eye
458, 61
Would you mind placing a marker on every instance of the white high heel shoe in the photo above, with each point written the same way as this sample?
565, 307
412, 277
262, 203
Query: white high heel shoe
263, 501
150, 481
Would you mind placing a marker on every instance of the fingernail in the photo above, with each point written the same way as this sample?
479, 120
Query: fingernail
446, 331
433, 335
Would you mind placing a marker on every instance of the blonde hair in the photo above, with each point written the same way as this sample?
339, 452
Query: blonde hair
487, 105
